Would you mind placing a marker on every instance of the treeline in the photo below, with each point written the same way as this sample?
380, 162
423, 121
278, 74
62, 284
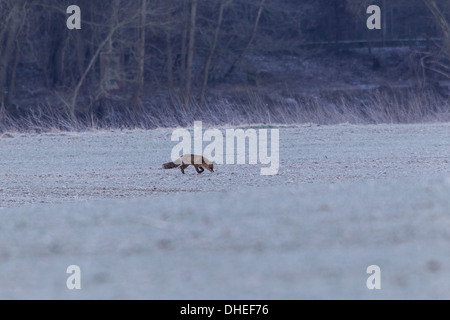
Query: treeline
129, 51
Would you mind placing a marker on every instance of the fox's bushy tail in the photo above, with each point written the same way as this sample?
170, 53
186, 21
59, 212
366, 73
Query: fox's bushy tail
170, 165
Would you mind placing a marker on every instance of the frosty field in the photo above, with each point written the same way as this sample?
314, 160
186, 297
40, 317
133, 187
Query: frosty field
345, 197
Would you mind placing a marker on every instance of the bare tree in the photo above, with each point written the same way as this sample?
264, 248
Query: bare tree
141, 59
116, 24
184, 49
15, 22
170, 80
252, 37
190, 56
211, 53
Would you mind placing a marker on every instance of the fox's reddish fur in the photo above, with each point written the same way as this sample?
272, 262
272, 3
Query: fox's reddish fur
190, 159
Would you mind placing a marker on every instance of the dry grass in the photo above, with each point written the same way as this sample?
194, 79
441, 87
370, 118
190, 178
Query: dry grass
248, 107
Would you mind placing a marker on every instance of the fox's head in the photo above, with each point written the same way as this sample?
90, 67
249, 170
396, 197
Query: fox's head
210, 167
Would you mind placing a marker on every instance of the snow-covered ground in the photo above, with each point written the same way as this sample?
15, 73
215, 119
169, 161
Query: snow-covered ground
345, 197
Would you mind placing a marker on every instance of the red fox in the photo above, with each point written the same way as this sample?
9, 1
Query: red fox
190, 159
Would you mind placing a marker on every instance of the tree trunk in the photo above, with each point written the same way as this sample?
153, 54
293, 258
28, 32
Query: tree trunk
141, 61
211, 54
183, 50
80, 52
190, 57
170, 68
58, 61
8, 49
12, 81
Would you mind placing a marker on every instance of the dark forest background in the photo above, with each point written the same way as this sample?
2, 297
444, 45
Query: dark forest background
150, 63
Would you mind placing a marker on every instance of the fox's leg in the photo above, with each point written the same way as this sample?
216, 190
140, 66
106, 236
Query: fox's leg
182, 167
197, 167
